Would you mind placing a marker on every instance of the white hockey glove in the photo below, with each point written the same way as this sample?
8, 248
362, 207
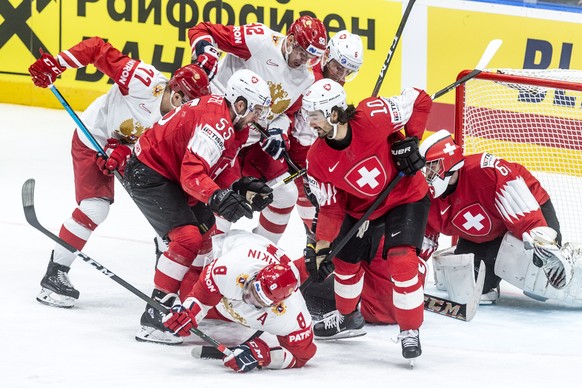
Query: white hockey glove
556, 262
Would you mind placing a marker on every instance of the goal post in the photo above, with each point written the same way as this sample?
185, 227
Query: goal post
532, 117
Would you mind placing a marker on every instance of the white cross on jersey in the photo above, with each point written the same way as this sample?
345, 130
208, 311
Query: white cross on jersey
473, 221
449, 149
368, 177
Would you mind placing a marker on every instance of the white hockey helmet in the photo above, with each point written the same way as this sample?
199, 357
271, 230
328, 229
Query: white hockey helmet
323, 95
250, 86
443, 157
347, 50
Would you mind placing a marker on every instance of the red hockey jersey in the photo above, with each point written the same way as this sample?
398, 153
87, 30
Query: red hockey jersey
493, 196
194, 144
349, 180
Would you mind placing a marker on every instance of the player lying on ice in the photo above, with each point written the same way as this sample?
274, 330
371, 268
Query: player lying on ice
502, 216
254, 283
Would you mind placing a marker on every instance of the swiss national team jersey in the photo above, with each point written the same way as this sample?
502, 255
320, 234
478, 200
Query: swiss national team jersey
133, 102
258, 48
239, 255
350, 180
193, 145
493, 196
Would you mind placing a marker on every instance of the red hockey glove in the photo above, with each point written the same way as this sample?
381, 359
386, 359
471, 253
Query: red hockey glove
181, 319
276, 144
207, 57
45, 70
430, 244
248, 356
117, 160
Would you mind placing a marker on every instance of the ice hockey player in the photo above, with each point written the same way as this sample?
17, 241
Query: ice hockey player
286, 63
183, 170
254, 283
140, 96
359, 151
503, 216
340, 62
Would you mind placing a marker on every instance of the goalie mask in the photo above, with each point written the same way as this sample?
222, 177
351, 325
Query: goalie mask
443, 157
270, 286
246, 84
320, 98
344, 56
191, 81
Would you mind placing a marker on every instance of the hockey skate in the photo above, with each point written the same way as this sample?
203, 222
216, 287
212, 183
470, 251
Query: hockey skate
57, 290
410, 341
334, 325
152, 329
490, 297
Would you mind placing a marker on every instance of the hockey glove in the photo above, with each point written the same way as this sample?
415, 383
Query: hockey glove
116, 160
207, 57
181, 319
45, 70
430, 244
556, 263
317, 264
406, 156
230, 205
276, 144
256, 192
248, 356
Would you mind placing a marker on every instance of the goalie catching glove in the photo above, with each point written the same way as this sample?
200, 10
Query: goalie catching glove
249, 355
556, 262
256, 192
317, 264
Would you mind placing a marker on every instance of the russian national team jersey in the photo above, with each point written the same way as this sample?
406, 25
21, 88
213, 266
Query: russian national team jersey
133, 102
258, 48
493, 196
193, 145
350, 180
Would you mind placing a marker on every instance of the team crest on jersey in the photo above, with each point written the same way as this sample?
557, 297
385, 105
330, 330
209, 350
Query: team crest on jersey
158, 90
129, 131
241, 279
279, 309
232, 312
367, 177
473, 220
280, 98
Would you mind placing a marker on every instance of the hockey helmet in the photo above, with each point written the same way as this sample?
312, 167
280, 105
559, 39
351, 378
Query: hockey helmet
323, 95
271, 285
191, 80
443, 157
250, 86
347, 50
310, 34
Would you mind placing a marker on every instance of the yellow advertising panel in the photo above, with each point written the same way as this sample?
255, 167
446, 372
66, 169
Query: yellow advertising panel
155, 31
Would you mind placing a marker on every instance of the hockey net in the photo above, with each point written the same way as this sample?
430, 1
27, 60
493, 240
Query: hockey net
532, 117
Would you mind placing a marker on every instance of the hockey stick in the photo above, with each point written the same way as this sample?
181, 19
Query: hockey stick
264, 133
82, 127
30, 215
490, 51
210, 352
393, 48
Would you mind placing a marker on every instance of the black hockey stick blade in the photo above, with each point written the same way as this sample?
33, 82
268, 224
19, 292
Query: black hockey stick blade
207, 352
462, 311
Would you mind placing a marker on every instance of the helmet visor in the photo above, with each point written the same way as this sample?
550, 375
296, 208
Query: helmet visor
312, 117
261, 112
253, 294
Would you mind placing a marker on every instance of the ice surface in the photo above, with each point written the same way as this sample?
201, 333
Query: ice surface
518, 343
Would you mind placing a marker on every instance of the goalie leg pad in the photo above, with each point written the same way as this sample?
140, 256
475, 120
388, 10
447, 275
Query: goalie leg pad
455, 273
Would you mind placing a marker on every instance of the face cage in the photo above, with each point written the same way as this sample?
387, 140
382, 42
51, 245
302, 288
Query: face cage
433, 170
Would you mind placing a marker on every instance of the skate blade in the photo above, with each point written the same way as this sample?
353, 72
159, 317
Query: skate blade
52, 299
153, 335
344, 334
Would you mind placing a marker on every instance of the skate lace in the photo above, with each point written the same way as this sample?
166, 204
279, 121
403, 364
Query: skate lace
332, 319
409, 338
64, 279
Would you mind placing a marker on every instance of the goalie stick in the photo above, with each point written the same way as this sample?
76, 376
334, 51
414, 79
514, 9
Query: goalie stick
31, 218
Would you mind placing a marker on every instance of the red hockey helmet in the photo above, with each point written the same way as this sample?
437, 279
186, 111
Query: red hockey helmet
443, 157
310, 34
273, 284
191, 80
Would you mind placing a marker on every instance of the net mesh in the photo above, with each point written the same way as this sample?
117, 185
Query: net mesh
532, 117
